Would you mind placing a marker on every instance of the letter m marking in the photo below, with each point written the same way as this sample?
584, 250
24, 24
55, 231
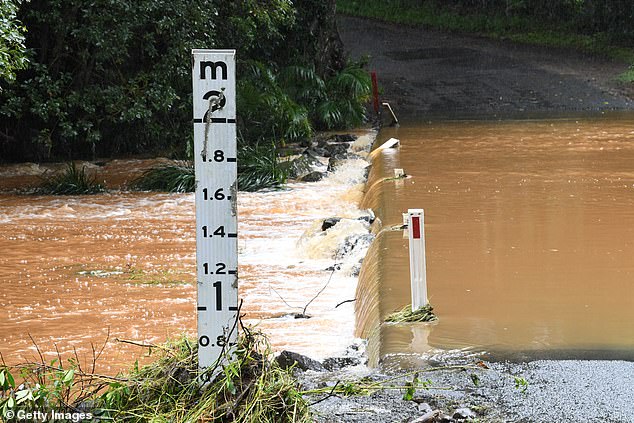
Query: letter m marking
214, 68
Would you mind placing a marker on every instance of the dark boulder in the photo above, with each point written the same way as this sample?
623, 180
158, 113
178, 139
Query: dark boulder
330, 222
313, 177
336, 149
288, 359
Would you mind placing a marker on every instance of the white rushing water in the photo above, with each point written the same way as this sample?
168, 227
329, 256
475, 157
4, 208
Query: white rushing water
76, 268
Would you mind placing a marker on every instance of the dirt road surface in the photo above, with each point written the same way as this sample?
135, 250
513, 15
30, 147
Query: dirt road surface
429, 74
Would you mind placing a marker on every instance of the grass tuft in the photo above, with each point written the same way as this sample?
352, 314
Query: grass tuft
177, 177
249, 387
406, 315
258, 168
72, 181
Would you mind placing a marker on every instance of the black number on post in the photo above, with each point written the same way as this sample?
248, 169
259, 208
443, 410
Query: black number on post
220, 269
219, 155
218, 286
220, 231
218, 194
203, 341
221, 341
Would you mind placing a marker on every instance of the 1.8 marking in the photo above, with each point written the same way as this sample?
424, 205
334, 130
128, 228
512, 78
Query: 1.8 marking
218, 157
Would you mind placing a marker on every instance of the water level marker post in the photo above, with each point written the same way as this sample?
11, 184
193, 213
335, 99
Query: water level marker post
215, 162
417, 264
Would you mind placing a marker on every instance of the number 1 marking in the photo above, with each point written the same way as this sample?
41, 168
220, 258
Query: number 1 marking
218, 286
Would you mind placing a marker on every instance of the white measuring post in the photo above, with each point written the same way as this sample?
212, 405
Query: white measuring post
417, 264
215, 155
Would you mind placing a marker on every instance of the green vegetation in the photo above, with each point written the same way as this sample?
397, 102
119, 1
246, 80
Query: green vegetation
521, 384
406, 315
113, 78
72, 181
258, 168
595, 26
13, 55
411, 387
171, 178
248, 387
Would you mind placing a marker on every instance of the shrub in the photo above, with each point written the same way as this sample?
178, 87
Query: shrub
258, 168
178, 177
71, 181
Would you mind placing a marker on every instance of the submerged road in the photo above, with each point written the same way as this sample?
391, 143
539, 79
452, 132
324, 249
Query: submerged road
425, 73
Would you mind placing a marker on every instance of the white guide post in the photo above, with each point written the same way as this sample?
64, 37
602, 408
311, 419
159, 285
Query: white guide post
417, 265
214, 97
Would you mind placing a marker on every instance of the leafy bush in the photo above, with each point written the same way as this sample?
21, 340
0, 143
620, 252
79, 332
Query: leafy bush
72, 181
171, 178
267, 112
287, 107
258, 168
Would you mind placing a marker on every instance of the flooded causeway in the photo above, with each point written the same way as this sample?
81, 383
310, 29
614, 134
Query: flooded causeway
530, 237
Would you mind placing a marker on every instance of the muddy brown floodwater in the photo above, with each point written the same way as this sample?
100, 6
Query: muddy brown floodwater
74, 269
530, 237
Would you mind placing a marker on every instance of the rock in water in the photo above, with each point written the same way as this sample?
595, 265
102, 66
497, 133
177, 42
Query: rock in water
330, 222
312, 177
286, 359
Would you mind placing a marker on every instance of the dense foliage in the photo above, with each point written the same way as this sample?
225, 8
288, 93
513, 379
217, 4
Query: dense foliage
112, 77
12, 49
612, 18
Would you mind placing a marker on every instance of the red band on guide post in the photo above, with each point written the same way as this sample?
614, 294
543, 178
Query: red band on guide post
415, 227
